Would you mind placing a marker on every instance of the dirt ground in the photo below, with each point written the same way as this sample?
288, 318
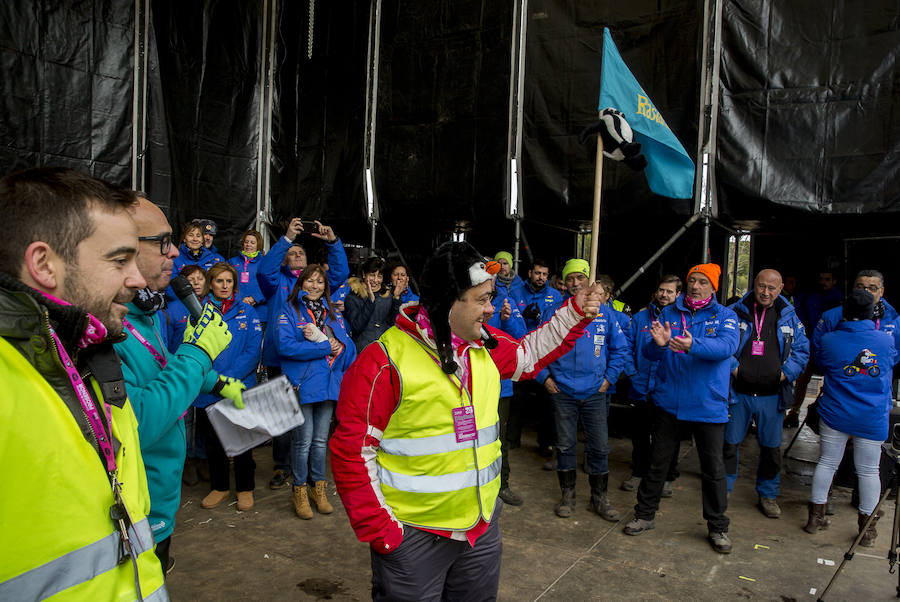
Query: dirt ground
268, 553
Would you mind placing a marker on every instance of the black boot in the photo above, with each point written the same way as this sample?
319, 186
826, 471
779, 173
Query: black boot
567, 485
599, 503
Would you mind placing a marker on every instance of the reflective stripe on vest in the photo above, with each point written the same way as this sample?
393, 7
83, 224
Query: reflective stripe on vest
77, 566
427, 478
437, 444
442, 483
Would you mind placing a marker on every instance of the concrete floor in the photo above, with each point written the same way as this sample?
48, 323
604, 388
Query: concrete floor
268, 553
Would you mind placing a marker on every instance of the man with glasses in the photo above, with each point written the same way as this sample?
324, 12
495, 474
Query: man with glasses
162, 385
885, 317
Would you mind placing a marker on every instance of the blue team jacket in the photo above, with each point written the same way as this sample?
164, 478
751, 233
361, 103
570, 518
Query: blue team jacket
624, 321
308, 365
514, 327
644, 376
694, 385
247, 284
789, 328
548, 299
240, 358
206, 260
829, 321
276, 281
857, 361
600, 353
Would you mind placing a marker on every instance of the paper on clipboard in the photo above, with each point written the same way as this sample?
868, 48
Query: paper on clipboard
270, 409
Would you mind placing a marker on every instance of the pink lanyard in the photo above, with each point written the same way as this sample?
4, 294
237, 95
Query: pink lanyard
160, 359
87, 404
758, 321
683, 323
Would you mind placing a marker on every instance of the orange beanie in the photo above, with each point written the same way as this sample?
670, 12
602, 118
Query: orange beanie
710, 270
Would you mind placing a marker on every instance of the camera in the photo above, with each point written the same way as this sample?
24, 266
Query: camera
310, 226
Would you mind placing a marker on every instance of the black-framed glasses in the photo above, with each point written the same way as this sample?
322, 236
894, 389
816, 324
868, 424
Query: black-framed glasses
165, 242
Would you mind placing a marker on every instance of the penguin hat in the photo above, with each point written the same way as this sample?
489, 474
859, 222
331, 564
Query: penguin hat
454, 268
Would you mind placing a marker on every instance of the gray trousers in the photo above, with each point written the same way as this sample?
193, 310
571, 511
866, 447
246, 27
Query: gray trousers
430, 567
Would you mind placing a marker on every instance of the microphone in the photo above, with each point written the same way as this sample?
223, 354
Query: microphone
489, 341
185, 293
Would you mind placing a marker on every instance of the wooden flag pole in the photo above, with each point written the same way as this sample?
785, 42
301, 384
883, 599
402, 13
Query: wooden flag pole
595, 221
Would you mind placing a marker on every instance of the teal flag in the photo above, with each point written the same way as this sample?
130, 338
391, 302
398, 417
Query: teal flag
670, 171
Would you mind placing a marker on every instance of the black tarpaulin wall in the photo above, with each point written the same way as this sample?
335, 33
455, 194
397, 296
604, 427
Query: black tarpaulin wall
808, 116
66, 79
808, 113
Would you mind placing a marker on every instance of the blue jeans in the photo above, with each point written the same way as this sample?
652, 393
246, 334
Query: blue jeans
866, 457
764, 408
593, 412
309, 442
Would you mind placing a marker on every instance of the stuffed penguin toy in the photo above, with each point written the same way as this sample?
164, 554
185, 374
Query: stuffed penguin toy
618, 139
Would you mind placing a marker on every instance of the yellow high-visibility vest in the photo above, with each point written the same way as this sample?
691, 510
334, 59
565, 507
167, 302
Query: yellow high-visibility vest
56, 535
428, 478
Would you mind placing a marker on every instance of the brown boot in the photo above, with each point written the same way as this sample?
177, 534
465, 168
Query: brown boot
320, 498
868, 540
301, 503
245, 500
213, 499
817, 519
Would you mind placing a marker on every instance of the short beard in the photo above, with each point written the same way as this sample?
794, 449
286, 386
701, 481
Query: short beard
79, 294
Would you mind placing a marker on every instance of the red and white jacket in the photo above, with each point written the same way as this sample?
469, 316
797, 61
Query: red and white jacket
370, 392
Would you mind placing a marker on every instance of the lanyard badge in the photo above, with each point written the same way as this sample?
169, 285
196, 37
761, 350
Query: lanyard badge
758, 346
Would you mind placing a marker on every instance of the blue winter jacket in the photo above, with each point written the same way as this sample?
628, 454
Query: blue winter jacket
890, 324
600, 353
638, 333
172, 322
857, 361
624, 321
160, 396
276, 282
309, 366
248, 286
548, 299
241, 357
694, 386
507, 291
205, 260
813, 305
514, 326
788, 329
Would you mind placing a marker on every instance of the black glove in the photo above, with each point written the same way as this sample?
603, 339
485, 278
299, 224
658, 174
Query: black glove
531, 312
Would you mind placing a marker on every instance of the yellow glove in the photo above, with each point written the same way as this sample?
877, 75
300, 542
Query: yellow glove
230, 388
210, 333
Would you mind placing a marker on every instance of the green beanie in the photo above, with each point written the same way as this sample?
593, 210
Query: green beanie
573, 266
504, 255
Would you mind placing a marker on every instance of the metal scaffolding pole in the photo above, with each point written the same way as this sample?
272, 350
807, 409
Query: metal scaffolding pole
266, 100
514, 208
705, 194
139, 98
372, 211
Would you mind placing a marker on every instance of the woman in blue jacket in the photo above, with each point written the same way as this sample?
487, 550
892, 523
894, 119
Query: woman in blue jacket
239, 360
857, 361
314, 350
192, 250
247, 263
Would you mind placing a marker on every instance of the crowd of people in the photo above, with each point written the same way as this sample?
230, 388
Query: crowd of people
106, 365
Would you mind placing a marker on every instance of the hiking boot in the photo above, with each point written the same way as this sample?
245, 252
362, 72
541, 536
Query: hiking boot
631, 483
769, 507
817, 520
320, 498
301, 503
280, 479
510, 497
667, 490
599, 503
637, 526
567, 485
213, 499
868, 539
720, 542
245, 500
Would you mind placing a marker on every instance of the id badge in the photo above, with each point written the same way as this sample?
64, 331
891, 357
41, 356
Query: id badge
757, 347
245, 277
464, 424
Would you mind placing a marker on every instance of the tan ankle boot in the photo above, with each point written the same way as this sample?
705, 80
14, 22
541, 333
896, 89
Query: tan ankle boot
320, 497
301, 503
245, 500
817, 519
213, 499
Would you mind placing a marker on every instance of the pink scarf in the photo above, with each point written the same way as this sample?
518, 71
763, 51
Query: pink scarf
696, 305
95, 331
